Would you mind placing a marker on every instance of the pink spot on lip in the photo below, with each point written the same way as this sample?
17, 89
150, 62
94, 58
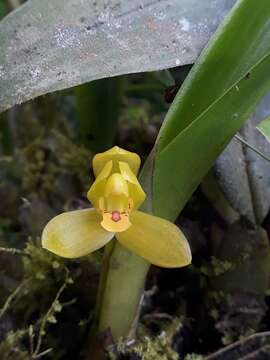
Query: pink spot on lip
116, 216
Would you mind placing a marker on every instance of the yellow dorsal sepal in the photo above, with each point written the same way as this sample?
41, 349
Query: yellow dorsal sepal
116, 154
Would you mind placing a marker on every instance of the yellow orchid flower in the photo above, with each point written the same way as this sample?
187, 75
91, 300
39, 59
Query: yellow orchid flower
116, 195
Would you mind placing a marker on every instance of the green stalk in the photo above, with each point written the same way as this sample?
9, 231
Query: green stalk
122, 293
118, 301
98, 104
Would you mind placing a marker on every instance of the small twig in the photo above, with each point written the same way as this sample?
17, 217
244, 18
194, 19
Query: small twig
68, 303
12, 251
11, 298
241, 349
47, 315
157, 316
152, 291
31, 339
45, 352
257, 151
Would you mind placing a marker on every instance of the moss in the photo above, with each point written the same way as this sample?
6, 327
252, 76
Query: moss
10, 347
147, 346
44, 279
46, 158
216, 267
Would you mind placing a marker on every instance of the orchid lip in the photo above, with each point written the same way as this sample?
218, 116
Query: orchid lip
115, 221
116, 216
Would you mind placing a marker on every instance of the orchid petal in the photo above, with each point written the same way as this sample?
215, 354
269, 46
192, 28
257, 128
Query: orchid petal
135, 190
75, 233
97, 189
157, 240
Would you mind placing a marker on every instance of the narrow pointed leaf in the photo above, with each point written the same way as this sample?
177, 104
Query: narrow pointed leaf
201, 123
232, 52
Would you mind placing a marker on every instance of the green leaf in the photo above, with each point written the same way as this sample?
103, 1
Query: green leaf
224, 87
264, 128
234, 49
56, 44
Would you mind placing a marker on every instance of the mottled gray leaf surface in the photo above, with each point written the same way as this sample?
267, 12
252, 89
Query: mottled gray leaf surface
232, 176
244, 175
48, 45
258, 169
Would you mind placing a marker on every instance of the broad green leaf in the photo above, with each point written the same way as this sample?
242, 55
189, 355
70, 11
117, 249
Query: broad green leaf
264, 128
226, 84
48, 45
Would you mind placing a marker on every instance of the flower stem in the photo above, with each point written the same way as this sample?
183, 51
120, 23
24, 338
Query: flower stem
122, 292
121, 287
119, 297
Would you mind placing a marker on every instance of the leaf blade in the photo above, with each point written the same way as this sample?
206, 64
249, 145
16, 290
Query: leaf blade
52, 45
252, 45
193, 141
